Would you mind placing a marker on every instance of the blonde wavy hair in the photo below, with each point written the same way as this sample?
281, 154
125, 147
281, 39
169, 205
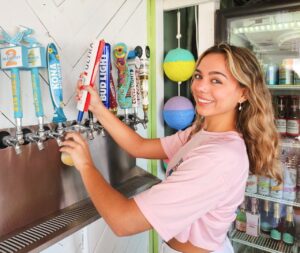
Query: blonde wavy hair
256, 119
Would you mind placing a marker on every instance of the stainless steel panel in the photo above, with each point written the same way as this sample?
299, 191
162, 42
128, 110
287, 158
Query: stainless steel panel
35, 184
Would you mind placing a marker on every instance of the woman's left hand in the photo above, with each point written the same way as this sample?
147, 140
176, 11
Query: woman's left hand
77, 147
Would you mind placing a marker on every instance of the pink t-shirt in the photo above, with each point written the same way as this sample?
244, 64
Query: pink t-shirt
198, 200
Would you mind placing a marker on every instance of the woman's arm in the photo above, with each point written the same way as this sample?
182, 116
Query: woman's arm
123, 135
121, 214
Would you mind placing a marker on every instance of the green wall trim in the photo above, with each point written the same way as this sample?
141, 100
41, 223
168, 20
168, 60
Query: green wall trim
152, 110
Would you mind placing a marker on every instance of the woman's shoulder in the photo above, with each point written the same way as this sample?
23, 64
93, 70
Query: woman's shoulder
227, 148
227, 141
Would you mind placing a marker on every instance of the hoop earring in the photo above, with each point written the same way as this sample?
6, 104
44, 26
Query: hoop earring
240, 107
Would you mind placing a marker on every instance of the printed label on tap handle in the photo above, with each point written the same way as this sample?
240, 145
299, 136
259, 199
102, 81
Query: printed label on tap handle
89, 75
105, 75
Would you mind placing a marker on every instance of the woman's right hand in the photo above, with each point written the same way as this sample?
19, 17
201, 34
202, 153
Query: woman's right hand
95, 100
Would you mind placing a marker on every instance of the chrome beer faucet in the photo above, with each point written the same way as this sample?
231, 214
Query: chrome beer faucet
11, 141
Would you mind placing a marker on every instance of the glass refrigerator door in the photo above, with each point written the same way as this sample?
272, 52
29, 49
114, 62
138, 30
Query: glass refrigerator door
274, 37
275, 40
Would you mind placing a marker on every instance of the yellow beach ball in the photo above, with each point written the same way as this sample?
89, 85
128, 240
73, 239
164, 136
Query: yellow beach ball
179, 65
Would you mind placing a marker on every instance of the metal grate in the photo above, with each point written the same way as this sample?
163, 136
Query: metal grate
30, 238
261, 242
137, 184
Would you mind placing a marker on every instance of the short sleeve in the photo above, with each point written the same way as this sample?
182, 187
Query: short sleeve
195, 188
171, 144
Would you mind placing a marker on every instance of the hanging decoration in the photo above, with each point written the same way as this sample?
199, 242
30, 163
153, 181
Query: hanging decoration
179, 65
178, 112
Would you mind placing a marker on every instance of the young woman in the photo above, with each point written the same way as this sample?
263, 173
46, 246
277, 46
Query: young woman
194, 206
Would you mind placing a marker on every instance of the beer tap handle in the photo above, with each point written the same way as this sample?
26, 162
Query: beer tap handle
14, 57
36, 59
89, 75
55, 83
144, 55
123, 87
113, 105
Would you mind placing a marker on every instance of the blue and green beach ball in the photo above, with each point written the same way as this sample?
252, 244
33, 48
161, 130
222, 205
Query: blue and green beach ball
179, 65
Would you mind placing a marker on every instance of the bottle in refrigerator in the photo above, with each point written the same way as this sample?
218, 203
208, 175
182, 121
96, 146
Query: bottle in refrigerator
298, 181
276, 231
253, 219
281, 115
292, 123
289, 178
266, 217
289, 231
297, 223
240, 222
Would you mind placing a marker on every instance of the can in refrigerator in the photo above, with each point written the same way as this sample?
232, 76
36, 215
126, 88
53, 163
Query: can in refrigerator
276, 189
296, 70
286, 73
272, 74
251, 185
296, 78
264, 185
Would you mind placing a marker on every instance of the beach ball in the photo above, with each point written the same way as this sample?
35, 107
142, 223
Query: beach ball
178, 112
179, 65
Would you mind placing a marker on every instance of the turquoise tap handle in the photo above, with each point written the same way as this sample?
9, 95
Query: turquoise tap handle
16, 91
36, 90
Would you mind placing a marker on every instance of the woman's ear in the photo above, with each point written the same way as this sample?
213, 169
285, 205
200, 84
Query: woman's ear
243, 98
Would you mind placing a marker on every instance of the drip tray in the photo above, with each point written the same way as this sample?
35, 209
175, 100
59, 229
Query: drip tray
46, 232
51, 230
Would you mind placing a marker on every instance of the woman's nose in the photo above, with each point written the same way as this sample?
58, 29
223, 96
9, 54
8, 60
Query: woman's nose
200, 85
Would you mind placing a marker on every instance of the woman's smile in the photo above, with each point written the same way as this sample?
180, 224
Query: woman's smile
204, 101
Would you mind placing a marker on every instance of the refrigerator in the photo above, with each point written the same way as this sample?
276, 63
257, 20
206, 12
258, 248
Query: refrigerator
272, 32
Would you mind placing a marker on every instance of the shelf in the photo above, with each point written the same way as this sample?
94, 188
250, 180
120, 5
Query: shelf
284, 87
282, 201
291, 144
262, 242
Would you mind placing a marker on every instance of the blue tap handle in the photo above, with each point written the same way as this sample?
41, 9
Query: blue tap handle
16, 91
37, 95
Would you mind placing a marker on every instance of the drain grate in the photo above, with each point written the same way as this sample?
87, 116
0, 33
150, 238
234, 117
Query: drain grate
137, 184
261, 242
31, 238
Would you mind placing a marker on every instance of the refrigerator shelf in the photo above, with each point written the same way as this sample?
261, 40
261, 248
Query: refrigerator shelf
282, 201
284, 87
291, 144
261, 242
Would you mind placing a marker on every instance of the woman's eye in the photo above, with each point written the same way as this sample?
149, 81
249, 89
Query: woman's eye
197, 76
216, 81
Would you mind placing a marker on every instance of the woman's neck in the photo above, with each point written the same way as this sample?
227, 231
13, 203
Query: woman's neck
219, 125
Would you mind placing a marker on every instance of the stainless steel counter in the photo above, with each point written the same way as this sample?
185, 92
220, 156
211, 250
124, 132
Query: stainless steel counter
43, 200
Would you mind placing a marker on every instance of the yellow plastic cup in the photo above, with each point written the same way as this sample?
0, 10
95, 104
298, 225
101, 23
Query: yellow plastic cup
66, 159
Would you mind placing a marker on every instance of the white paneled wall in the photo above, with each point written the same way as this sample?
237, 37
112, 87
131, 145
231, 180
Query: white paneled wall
72, 25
